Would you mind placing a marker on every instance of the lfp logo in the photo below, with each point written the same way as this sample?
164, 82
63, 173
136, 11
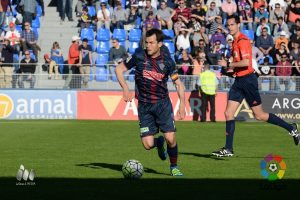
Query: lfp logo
272, 167
6, 106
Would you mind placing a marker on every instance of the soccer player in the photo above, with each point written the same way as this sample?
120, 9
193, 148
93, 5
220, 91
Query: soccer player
152, 68
245, 86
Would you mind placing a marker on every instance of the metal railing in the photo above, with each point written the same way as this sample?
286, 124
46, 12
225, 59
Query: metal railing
109, 82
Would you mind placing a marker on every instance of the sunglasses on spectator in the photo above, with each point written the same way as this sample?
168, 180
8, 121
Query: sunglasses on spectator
201, 43
217, 43
277, 7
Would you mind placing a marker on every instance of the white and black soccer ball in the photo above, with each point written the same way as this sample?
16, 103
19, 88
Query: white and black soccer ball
273, 167
132, 169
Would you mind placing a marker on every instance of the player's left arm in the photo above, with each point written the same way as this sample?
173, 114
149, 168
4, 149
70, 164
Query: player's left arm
180, 91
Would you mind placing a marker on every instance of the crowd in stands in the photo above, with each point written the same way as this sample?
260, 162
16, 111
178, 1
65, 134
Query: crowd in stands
195, 31
19, 24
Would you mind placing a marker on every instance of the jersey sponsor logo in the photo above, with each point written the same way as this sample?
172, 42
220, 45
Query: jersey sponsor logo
152, 75
144, 129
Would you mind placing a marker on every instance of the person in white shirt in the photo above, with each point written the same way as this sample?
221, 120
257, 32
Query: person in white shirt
13, 36
103, 16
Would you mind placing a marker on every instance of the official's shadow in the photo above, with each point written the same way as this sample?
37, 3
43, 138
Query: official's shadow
202, 155
116, 167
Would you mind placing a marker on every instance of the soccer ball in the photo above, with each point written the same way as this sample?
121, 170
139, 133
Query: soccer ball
273, 167
132, 169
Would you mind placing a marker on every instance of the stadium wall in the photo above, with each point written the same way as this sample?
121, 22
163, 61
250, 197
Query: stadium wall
108, 105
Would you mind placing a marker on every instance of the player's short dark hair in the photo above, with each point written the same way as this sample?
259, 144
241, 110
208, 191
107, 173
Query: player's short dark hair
235, 17
159, 34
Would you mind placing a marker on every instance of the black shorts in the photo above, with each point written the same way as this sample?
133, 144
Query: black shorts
245, 87
156, 117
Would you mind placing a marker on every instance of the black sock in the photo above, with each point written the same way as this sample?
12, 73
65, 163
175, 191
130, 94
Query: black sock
173, 155
273, 119
230, 127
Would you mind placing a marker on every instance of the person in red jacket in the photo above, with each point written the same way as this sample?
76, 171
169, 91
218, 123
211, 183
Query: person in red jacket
73, 59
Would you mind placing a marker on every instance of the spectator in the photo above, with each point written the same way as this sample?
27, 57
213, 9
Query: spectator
199, 13
218, 36
29, 10
119, 17
147, 9
293, 13
66, 9
229, 8
263, 24
282, 38
85, 61
283, 50
259, 3
151, 20
73, 81
181, 10
215, 53
29, 40
195, 25
116, 54
246, 14
275, 14
132, 18
259, 14
296, 73
295, 27
274, 3
52, 66
181, 22
27, 70
295, 38
185, 64
218, 3
266, 70
3, 9
265, 42
284, 70
57, 56
85, 19
103, 16
279, 27
217, 23
183, 40
164, 15
13, 36
295, 52
6, 67
198, 62
212, 13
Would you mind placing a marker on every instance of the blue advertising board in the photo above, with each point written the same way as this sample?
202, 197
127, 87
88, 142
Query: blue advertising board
38, 104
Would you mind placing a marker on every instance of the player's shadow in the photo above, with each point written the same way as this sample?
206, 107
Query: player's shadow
116, 167
201, 155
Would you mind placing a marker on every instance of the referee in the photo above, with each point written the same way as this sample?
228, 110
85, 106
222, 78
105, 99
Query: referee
245, 87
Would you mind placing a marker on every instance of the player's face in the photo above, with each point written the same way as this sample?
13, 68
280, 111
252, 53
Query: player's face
153, 46
233, 27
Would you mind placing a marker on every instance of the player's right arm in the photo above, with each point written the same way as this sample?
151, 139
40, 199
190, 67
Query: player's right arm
120, 69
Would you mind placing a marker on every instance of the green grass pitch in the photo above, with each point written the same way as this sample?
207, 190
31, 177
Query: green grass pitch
85, 158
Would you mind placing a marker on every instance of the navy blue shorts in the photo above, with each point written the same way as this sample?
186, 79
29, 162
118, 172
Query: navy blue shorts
156, 117
245, 87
